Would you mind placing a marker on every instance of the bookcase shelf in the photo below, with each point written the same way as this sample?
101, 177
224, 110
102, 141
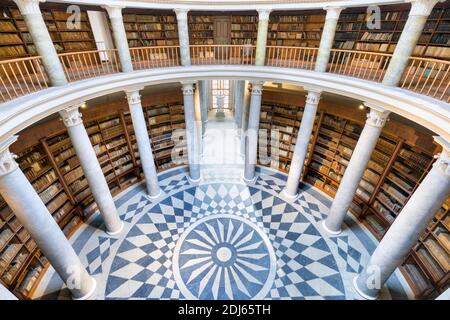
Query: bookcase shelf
17, 42
353, 32
394, 171
299, 30
144, 30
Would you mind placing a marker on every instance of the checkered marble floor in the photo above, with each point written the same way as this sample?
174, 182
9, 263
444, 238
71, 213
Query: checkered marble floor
222, 241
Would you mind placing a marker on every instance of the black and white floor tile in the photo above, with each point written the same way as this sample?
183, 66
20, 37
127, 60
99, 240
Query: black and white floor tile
223, 241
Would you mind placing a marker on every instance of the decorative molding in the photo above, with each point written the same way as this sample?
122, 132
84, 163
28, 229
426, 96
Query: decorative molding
181, 13
133, 97
263, 14
421, 7
333, 12
114, 11
71, 116
377, 116
7, 159
17, 114
29, 6
313, 97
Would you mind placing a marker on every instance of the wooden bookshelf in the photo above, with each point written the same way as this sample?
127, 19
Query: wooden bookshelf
244, 29
16, 42
353, 34
302, 29
282, 122
201, 29
145, 30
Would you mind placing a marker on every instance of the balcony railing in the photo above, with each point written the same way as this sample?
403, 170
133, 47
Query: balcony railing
155, 57
359, 64
19, 77
89, 64
291, 57
222, 54
430, 77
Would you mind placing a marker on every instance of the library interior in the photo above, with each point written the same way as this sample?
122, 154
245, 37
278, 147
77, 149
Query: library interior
254, 149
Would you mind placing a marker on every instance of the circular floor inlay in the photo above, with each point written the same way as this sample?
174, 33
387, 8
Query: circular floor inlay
224, 257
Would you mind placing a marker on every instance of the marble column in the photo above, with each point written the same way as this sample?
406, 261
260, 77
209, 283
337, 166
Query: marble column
32, 213
91, 169
251, 145
42, 41
245, 114
143, 144
193, 145
406, 229
120, 36
418, 15
5, 294
203, 88
261, 39
327, 38
302, 144
183, 36
376, 120
240, 93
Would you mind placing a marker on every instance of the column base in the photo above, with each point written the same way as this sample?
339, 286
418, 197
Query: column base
334, 233
289, 197
193, 181
90, 293
360, 292
115, 233
249, 181
152, 198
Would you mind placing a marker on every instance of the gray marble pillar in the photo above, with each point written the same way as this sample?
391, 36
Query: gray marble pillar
193, 145
37, 220
251, 145
412, 221
120, 37
183, 36
203, 88
302, 143
245, 114
418, 15
42, 41
240, 93
327, 38
143, 144
91, 169
376, 120
5, 294
261, 40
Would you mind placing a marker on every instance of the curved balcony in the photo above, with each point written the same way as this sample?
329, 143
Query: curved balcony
430, 77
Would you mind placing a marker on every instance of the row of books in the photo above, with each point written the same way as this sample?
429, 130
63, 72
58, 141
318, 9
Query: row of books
141, 18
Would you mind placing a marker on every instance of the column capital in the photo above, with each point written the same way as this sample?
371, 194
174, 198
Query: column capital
29, 6
257, 88
71, 116
114, 11
313, 97
421, 7
7, 159
333, 12
133, 96
377, 116
263, 14
188, 88
181, 13
443, 159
